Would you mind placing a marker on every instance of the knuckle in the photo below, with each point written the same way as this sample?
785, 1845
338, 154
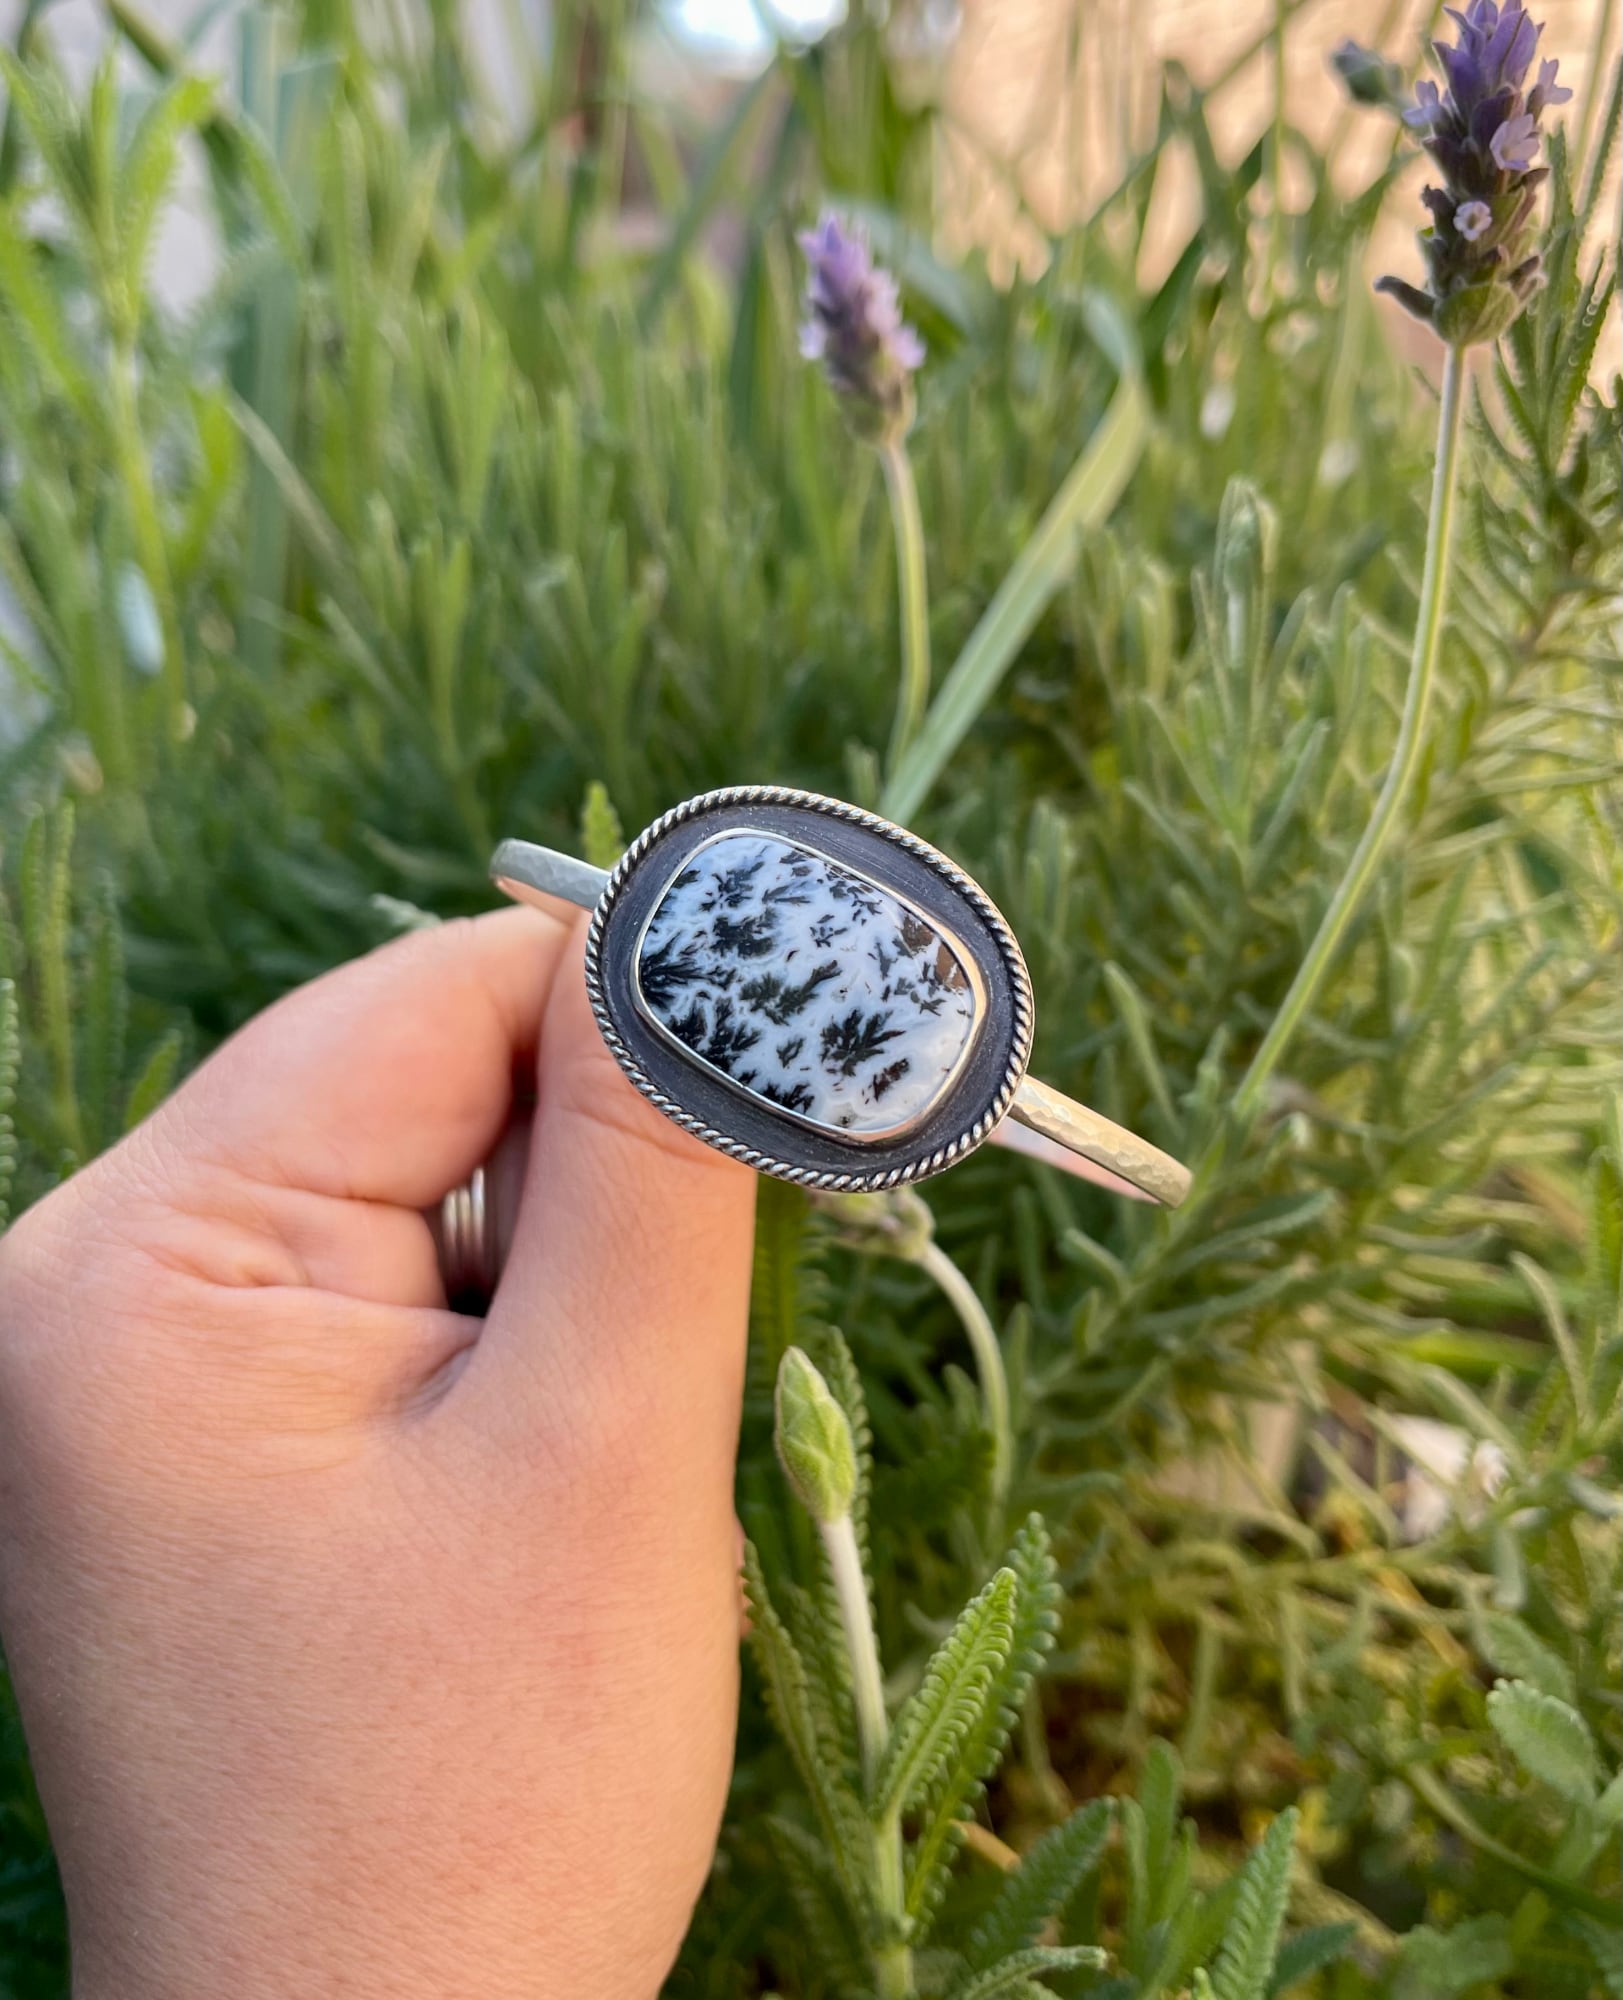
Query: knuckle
81, 1299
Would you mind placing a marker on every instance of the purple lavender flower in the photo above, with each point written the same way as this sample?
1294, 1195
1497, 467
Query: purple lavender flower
1473, 219
854, 326
1483, 133
1514, 145
1547, 90
1427, 109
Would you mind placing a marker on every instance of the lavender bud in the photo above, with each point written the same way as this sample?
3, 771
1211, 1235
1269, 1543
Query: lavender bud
1481, 264
813, 1437
1369, 77
854, 326
896, 1222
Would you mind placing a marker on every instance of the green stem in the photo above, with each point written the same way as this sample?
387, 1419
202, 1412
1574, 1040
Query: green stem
1406, 755
893, 1961
856, 1617
912, 595
988, 1363
1448, 1808
1276, 151
148, 529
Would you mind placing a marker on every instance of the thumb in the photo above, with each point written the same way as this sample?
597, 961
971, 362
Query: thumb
623, 1304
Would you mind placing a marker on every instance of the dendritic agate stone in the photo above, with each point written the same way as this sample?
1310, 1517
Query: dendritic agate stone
807, 985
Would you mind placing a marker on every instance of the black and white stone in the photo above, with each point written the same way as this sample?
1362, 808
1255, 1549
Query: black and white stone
807, 985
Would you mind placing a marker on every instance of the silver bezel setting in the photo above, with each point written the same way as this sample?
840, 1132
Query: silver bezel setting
1022, 1010
874, 1135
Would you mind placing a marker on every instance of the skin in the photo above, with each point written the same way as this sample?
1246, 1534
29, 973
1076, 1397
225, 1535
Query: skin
363, 1647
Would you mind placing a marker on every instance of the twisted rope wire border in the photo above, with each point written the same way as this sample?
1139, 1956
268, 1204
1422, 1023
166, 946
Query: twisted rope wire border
766, 1163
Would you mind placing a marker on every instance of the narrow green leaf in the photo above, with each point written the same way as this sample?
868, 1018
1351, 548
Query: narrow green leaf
721, 159
1130, 1011
314, 523
103, 1006
1553, 1313
1083, 503
155, 1079
10, 1059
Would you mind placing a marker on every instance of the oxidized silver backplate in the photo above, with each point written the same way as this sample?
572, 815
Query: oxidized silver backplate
803, 985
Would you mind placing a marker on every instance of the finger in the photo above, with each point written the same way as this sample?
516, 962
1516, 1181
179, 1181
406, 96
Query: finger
387, 1080
632, 1250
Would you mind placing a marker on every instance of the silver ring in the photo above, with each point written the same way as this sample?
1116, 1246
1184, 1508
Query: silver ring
466, 1246
474, 1224
822, 995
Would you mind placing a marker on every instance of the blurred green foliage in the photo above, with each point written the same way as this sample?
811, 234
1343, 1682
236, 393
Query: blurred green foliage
455, 509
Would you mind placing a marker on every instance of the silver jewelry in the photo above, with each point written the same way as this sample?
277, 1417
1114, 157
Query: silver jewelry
473, 1226
465, 1241
822, 995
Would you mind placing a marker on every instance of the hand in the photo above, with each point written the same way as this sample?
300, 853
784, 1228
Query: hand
363, 1647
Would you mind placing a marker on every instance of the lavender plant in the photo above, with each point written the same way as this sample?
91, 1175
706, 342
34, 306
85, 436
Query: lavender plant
871, 1897
471, 512
1483, 133
854, 326
1482, 272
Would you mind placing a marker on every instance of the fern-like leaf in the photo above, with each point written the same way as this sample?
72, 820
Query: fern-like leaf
1578, 349
1160, 1799
1600, 160
1045, 1881
1017, 1972
1035, 1618
1309, 1952
819, 1903
1435, 1965
787, 1288
1547, 1737
1521, 1655
789, 1703
839, 1370
1606, 1949
957, 1690
149, 167
104, 1006
813, 1621
34, 314
1245, 1963
601, 834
